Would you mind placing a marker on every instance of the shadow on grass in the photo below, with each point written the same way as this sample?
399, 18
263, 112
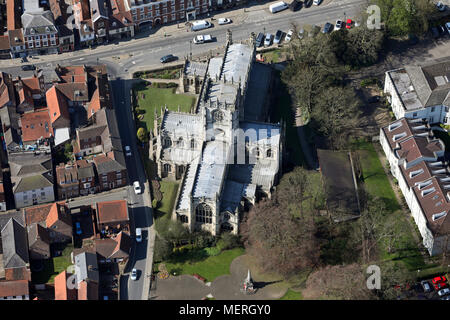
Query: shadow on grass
191, 256
262, 284
45, 274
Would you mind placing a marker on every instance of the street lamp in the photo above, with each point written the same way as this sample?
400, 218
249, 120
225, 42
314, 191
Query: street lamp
190, 49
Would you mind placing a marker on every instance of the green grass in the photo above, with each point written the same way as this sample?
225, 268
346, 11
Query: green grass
199, 262
292, 295
164, 74
273, 56
282, 111
155, 98
53, 267
169, 191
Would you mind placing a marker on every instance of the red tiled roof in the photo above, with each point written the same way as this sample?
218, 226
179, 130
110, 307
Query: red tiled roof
416, 147
57, 105
40, 213
11, 15
88, 290
112, 211
35, 125
32, 83
14, 288
62, 292
94, 104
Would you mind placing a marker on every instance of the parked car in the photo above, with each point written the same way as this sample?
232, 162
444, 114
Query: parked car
445, 298
78, 228
133, 275
222, 21
137, 187
307, 3
435, 32
138, 234
440, 285
349, 23
442, 30
289, 35
327, 28
268, 40
259, 39
278, 6
447, 26
443, 292
168, 58
438, 279
426, 286
128, 151
338, 25
317, 2
440, 6
28, 67
200, 25
278, 37
295, 5
301, 33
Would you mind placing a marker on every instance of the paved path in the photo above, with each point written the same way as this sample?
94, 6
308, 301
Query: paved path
225, 287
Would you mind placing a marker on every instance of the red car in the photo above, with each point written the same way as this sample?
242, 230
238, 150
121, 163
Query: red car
349, 23
436, 280
440, 285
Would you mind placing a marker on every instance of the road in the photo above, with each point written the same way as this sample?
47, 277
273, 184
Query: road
146, 52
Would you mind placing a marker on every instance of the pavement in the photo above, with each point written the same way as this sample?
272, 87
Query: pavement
224, 287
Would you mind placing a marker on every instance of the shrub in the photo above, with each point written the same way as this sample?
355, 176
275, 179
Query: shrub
213, 251
368, 82
228, 241
163, 249
142, 134
204, 239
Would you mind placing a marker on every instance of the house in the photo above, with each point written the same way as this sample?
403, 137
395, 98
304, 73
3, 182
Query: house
36, 126
111, 170
112, 216
63, 291
67, 181
32, 177
100, 12
87, 33
86, 267
7, 94
57, 108
30, 92
15, 251
14, 290
40, 32
16, 42
88, 290
38, 242
86, 176
4, 219
55, 217
60, 11
420, 92
5, 49
113, 249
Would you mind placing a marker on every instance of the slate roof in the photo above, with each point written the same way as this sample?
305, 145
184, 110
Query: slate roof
15, 245
41, 22
86, 266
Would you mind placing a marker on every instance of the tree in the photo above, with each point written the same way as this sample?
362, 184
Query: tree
163, 248
142, 134
363, 46
228, 241
393, 276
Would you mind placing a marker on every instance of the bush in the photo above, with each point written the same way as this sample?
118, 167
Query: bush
368, 82
163, 249
142, 134
228, 241
203, 239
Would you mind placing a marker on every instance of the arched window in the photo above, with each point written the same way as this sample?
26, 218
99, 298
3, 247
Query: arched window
183, 218
269, 153
167, 167
203, 213
226, 227
167, 142
218, 115
193, 144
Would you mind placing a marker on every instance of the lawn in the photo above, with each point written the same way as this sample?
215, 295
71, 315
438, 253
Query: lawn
53, 267
150, 99
273, 56
169, 191
292, 295
201, 263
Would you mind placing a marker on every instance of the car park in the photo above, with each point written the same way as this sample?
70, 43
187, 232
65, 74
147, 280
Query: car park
338, 25
128, 151
168, 58
259, 39
289, 35
133, 274
426, 286
137, 187
223, 21
327, 28
440, 6
349, 23
295, 5
278, 37
301, 33
443, 292
268, 40
78, 228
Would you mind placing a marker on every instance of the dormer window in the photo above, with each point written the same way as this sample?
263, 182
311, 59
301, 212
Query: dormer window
413, 174
399, 136
428, 191
394, 126
439, 215
32, 31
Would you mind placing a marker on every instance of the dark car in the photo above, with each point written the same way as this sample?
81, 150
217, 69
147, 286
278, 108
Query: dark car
441, 30
307, 3
426, 286
327, 28
168, 58
435, 32
259, 40
295, 5
28, 67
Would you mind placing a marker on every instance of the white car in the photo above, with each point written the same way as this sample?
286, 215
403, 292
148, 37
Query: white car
224, 21
137, 187
447, 26
338, 25
138, 234
443, 292
133, 274
440, 6
317, 2
128, 151
289, 35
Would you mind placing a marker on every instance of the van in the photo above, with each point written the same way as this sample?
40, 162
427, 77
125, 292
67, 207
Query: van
200, 25
138, 234
278, 6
